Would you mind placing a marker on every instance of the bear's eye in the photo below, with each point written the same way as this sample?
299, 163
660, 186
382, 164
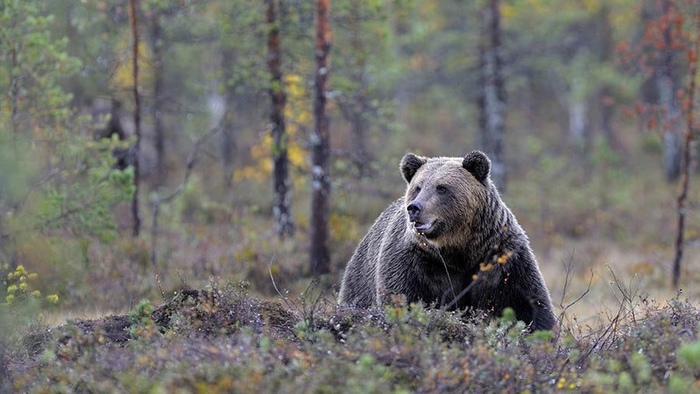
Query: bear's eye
417, 189
441, 189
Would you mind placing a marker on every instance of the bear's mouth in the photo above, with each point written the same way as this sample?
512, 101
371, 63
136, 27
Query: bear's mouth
421, 227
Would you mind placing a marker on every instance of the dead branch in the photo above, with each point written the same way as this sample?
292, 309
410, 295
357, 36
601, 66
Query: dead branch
567, 281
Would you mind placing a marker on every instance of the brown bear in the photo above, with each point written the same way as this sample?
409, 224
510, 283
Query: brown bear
452, 241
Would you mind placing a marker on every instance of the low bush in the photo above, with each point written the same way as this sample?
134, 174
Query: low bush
221, 339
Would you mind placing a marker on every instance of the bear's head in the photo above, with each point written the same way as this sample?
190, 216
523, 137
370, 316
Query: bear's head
444, 194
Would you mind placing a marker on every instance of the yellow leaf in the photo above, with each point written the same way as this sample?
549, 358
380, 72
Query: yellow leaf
123, 76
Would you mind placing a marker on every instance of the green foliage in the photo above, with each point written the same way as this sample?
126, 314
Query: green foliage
689, 356
23, 305
143, 311
641, 369
40, 62
681, 384
193, 206
576, 66
244, 68
508, 316
19, 286
541, 335
58, 187
85, 190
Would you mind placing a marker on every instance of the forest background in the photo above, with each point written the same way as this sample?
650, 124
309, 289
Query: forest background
596, 99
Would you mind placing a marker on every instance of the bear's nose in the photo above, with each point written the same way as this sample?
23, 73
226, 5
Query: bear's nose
414, 209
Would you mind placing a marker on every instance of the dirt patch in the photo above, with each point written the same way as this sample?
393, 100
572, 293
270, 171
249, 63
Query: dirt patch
190, 313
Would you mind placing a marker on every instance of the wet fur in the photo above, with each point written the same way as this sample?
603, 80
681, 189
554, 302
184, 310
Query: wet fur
474, 230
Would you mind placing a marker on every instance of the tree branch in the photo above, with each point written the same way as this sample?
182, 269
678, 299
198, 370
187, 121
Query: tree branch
157, 201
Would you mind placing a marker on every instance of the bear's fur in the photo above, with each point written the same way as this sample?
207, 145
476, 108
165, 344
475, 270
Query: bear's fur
450, 240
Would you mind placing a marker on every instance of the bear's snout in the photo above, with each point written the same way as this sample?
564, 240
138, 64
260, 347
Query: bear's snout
414, 210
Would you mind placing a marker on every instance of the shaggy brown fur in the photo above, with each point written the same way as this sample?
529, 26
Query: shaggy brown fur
451, 240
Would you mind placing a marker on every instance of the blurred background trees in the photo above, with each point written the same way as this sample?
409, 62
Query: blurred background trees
576, 101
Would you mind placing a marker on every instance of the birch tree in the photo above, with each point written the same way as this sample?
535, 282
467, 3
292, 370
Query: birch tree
281, 188
492, 97
320, 145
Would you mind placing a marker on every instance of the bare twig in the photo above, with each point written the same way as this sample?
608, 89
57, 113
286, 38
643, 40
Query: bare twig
569, 267
609, 333
159, 283
305, 313
567, 281
459, 296
580, 297
627, 297
183, 279
284, 298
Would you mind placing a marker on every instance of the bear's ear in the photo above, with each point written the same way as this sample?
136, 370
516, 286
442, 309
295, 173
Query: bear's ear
410, 163
478, 164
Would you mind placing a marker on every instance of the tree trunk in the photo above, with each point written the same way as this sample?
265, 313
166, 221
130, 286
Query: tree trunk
228, 148
606, 101
358, 105
579, 129
320, 145
667, 86
359, 124
136, 229
607, 112
158, 99
672, 150
578, 122
687, 145
14, 95
281, 208
492, 96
